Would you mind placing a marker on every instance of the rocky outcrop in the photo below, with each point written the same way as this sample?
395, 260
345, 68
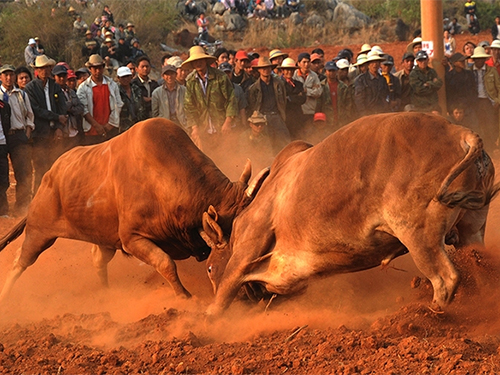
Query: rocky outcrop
349, 18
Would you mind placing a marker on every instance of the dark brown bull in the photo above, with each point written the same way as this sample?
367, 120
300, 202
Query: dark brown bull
374, 190
143, 192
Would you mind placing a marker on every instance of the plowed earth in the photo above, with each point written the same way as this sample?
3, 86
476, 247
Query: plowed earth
60, 321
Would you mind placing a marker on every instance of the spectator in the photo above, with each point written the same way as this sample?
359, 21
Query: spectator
120, 32
30, 52
202, 24
131, 65
260, 11
495, 29
123, 51
449, 44
370, 90
73, 134
312, 85
425, 84
4, 162
488, 98
81, 75
457, 115
454, 27
268, 96
39, 47
495, 58
80, 26
137, 52
317, 66
342, 74
102, 103
241, 98
414, 46
168, 100
361, 66
295, 6
295, 97
255, 143
470, 15
468, 50
181, 72
131, 96
221, 55
404, 78
49, 108
145, 83
269, 7
239, 75
96, 25
208, 121
18, 136
394, 98
276, 57
72, 80
23, 77
280, 9
108, 14
108, 49
130, 33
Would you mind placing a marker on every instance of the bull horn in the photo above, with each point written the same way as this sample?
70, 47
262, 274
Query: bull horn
257, 182
247, 172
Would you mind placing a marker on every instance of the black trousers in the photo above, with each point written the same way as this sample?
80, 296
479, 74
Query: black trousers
4, 180
20, 153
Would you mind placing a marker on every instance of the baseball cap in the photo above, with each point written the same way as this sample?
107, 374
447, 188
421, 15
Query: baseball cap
168, 68
241, 55
343, 64
421, 55
389, 60
319, 116
330, 65
59, 69
225, 67
123, 71
315, 56
408, 55
457, 57
7, 68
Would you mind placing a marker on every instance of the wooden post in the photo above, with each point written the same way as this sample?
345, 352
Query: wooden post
432, 31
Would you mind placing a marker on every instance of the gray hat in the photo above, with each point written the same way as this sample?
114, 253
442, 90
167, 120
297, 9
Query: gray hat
257, 118
168, 68
59, 69
7, 68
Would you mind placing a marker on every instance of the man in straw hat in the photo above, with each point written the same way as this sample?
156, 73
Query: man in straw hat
210, 103
268, 96
488, 98
370, 88
49, 106
425, 84
295, 97
102, 103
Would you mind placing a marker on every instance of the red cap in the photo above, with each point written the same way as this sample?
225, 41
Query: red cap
319, 116
254, 62
71, 74
315, 56
241, 55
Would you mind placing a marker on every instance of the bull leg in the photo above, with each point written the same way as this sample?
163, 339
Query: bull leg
28, 253
146, 251
471, 228
101, 256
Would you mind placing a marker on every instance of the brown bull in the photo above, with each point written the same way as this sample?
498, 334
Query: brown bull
143, 192
374, 190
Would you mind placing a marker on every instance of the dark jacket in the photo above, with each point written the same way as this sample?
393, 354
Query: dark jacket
43, 116
5, 116
255, 97
460, 88
147, 105
425, 97
370, 94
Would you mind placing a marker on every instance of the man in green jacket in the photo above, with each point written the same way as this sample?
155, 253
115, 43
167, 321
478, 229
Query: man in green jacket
425, 84
210, 104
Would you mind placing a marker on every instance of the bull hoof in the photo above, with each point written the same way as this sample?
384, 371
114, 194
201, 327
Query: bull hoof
436, 309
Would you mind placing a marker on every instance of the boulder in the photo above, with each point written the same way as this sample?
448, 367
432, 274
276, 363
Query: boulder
347, 17
296, 19
234, 22
331, 4
314, 20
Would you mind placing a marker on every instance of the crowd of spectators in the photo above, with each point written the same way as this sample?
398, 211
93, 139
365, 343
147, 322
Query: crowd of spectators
254, 103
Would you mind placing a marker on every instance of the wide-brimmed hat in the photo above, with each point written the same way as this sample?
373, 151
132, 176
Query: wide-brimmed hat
197, 53
365, 48
480, 53
264, 62
277, 53
42, 61
373, 56
495, 44
409, 47
360, 60
32, 41
288, 63
130, 24
94, 60
377, 49
257, 118
108, 40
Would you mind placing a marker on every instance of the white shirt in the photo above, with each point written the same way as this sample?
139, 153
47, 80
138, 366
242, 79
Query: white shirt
20, 106
3, 140
481, 90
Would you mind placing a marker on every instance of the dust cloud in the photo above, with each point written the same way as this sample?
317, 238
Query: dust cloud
63, 286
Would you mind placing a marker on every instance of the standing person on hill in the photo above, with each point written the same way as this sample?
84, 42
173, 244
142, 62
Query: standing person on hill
18, 136
210, 103
145, 83
202, 24
313, 88
495, 29
268, 96
108, 14
49, 108
30, 52
102, 103
425, 84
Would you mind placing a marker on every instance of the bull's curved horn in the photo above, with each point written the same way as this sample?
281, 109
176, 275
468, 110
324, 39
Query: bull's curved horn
257, 182
247, 172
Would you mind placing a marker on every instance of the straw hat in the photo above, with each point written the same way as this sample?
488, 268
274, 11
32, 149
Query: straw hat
480, 53
288, 63
277, 53
365, 48
377, 49
495, 44
264, 62
130, 24
42, 61
373, 56
94, 60
197, 53
257, 118
360, 60
409, 47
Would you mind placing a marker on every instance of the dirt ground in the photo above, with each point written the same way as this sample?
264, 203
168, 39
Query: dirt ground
60, 321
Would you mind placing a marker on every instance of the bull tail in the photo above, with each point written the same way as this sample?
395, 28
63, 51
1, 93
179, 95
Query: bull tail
13, 234
470, 200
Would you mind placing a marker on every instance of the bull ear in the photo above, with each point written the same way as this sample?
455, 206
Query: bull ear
257, 182
247, 172
211, 228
